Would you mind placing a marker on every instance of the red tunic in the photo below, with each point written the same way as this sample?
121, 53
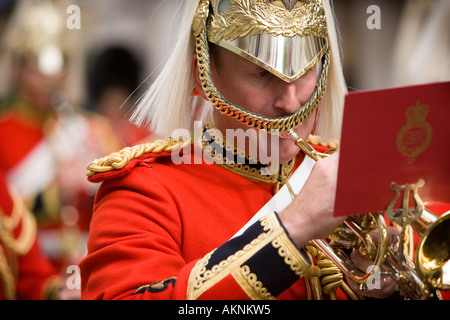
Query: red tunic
162, 231
18, 136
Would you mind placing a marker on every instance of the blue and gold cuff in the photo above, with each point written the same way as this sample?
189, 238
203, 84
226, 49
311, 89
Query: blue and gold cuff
263, 260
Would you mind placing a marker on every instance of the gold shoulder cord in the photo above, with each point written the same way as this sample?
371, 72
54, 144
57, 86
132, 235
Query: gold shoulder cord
12, 247
324, 277
7, 278
118, 160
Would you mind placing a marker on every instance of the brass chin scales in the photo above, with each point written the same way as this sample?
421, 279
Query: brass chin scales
213, 26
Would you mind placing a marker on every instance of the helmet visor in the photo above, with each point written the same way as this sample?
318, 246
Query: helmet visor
286, 57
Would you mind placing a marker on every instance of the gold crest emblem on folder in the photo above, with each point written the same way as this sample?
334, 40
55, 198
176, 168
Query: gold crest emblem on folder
416, 135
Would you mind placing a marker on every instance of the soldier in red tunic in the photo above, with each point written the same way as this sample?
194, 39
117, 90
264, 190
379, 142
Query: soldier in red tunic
230, 212
45, 139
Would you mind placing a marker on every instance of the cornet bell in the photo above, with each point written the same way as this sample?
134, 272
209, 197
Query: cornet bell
433, 251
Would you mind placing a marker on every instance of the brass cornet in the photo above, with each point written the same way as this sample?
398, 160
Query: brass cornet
432, 264
433, 251
354, 234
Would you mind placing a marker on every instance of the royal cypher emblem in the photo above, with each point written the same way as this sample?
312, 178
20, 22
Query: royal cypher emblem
416, 135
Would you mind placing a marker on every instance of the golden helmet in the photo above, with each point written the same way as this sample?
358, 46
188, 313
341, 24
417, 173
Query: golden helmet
38, 31
286, 38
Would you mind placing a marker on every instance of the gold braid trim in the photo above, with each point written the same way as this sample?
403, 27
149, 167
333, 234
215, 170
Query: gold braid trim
250, 284
202, 279
118, 160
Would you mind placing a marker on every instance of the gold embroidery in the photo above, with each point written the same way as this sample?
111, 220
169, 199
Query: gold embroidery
157, 286
416, 135
286, 249
292, 257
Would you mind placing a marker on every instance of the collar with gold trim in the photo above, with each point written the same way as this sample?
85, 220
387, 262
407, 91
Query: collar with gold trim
226, 154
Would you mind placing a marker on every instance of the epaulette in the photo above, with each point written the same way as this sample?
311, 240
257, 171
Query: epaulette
120, 163
321, 146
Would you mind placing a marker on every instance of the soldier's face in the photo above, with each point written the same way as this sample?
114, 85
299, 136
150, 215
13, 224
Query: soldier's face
37, 88
251, 87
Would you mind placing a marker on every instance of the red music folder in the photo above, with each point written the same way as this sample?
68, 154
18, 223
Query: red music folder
397, 135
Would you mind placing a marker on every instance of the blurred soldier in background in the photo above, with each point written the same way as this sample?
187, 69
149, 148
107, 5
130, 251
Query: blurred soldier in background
113, 82
25, 273
45, 139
